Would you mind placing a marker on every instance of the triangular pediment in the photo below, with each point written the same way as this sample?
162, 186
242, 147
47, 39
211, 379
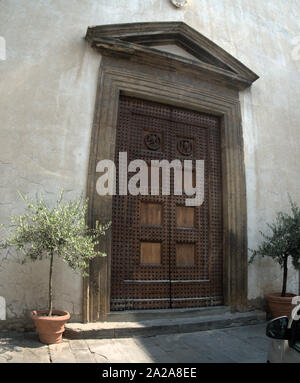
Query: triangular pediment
176, 50
199, 56
172, 43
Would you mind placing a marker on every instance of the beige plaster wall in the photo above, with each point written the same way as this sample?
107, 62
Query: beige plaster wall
47, 95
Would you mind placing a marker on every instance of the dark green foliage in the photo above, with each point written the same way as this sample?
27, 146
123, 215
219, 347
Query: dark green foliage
283, 241
60, 231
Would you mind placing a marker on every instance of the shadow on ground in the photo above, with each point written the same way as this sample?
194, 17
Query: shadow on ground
18, 347
246, 344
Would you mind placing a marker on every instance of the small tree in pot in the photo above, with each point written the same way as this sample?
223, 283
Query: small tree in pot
282, 244
50, 232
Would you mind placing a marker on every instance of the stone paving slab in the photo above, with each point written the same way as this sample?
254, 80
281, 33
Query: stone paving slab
246, 344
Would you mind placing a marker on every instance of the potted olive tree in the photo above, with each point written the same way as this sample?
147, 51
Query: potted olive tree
49, 232
282, 244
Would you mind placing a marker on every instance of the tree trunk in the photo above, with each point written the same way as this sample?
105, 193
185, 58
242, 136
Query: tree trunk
50, 284
285, 272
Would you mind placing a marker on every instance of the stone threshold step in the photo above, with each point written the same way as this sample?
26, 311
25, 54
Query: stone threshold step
107, 330
142, 315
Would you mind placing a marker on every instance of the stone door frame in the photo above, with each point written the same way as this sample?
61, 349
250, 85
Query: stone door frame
196, 89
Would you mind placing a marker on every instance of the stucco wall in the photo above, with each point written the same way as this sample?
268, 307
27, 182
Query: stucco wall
47, 95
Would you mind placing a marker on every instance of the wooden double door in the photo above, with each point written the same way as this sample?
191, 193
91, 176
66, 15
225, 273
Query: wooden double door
166, 254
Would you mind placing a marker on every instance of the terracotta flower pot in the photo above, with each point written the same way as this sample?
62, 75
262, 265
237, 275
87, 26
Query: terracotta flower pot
280, 306
50, 329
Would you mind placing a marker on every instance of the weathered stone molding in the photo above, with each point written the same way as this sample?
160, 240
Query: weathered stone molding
135, 42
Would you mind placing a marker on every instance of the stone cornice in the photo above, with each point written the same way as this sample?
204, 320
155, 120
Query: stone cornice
135, 42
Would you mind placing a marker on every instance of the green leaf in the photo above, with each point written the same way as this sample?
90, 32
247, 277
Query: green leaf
60, 228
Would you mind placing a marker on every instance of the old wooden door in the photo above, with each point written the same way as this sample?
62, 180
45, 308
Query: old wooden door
165, 254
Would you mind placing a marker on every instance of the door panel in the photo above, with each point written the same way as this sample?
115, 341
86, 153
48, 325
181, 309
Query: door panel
165, 254
141, 274
196, 279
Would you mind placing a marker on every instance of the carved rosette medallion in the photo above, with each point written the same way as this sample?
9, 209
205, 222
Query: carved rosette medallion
152, 141
179, 3
185, 147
